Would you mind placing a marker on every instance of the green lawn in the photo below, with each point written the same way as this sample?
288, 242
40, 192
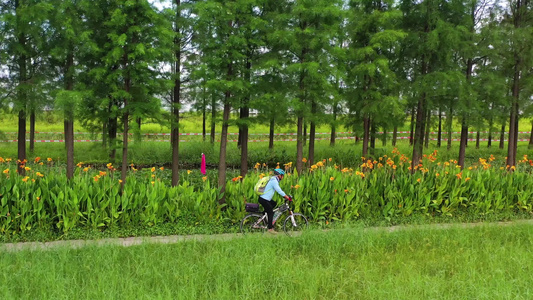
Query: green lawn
485, 262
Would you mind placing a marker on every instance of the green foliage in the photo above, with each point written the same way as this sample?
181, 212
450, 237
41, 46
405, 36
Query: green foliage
382, 188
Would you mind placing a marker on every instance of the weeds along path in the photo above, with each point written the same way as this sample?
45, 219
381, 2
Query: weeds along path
172, 239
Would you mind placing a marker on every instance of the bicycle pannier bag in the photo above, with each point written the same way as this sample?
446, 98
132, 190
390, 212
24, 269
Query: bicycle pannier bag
251, 207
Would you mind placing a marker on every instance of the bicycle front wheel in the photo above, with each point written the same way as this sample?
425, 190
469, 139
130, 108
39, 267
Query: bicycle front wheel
295, 223
252, 223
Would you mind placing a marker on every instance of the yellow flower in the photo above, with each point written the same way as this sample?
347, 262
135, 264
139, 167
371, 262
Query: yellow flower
469, 168
8, 159
152, 169
189, 172
25, 178
153, 182
49, 159
41, 163
27, 168
162, 168
204, 178
102, 173
120, 181
6, 171
297, 186
261, 175
1, 160
79, 165
467, 178
85, 169
419, 180
437, 175
38, 198
304, 160
109, 166
331, 178
153, 176
39, 174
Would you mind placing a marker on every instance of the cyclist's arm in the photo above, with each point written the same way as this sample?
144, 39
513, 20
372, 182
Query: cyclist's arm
278, 189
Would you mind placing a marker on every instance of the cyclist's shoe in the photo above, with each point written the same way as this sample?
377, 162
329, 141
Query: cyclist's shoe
272, 231
258, 227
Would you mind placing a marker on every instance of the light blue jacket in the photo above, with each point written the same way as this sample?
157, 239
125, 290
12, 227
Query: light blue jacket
272, 185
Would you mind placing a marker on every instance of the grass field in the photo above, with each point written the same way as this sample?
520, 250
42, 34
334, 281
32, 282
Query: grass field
483, 262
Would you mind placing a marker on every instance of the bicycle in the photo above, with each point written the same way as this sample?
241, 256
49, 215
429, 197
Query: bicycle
256, 221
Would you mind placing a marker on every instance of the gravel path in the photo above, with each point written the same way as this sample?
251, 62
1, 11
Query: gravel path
171, 239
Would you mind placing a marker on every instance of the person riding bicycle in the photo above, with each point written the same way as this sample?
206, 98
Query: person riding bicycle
266, 198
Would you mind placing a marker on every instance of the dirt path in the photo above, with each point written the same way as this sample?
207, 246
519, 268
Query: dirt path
172, 239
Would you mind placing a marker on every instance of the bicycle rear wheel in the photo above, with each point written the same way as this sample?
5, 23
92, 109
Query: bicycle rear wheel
292, 228
252, 224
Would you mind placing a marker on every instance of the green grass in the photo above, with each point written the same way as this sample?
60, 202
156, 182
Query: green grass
346, 153
485, 262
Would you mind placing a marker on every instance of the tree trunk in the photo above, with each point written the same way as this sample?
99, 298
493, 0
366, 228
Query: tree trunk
394, 135
22, 97
449, 121
69, 120
366, 135
420, 126
412, 127
477, 139
213, 117
312, 134
299, 146
21, 142
113, 125
372, 136
125, 121
502, 136
223, 147
305, 132
491, 123
245, 114
531, 137
428, 129
300, 135
176, 98
462, 147
32, 130
439, 134
224, 138
271, 134
333, 132
138, 135
204, 116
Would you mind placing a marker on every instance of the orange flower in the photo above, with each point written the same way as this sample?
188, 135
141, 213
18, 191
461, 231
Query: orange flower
204, 178
437, 175
102, 173
6, 171
49, 159
162, 168
467, 178
346, 190
37, 159
85, 169
25, 179
331, 178
304, 160
39, 174
460, 175
330, 159
419, 180
152, 169
27, 168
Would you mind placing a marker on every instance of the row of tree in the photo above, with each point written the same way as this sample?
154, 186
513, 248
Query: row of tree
367, 63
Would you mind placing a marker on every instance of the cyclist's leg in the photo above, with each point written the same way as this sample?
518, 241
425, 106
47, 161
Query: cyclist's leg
269, 209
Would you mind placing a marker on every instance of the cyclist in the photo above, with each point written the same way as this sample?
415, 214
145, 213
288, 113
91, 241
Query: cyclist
266, 198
